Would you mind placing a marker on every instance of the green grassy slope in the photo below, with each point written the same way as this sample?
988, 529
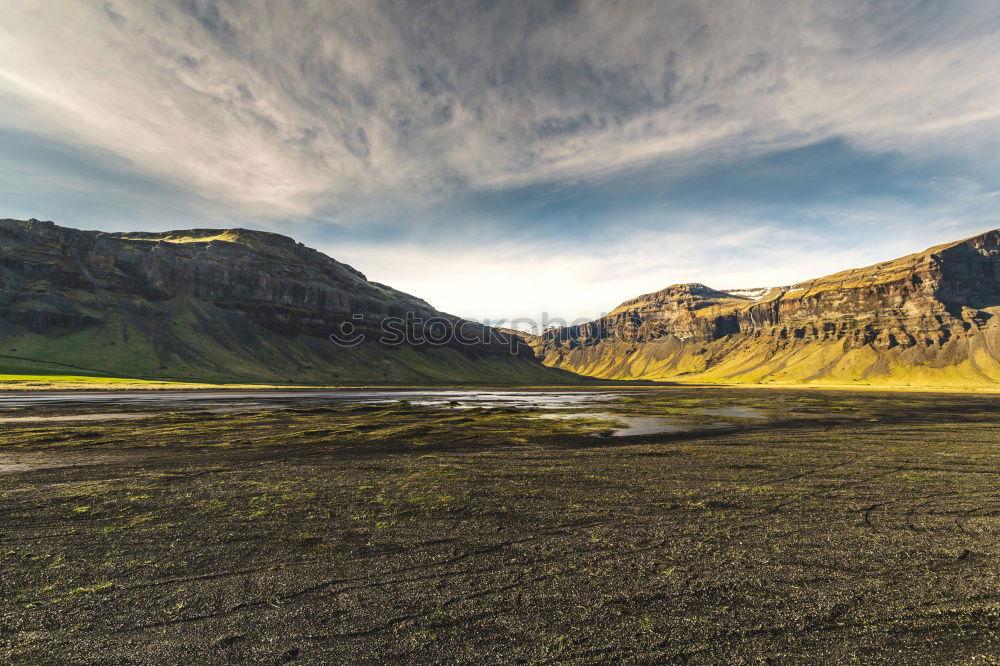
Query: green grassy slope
969, 360
220, 305
196, 342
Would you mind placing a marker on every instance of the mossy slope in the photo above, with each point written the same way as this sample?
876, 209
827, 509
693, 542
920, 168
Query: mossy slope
927, 319
230, 305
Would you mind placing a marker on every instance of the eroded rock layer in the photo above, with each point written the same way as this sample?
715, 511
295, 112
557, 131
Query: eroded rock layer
224, 305
928, 318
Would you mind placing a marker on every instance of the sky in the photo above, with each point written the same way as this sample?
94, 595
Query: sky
536, 159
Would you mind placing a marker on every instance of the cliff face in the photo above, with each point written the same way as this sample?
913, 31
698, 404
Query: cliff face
927, 318
225, 305
240, 305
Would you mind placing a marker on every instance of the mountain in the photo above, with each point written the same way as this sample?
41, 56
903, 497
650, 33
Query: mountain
227, 305
242, 305
929, 318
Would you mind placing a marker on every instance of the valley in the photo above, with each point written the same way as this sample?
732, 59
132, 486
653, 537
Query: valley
845, 526
542, 332
249, 307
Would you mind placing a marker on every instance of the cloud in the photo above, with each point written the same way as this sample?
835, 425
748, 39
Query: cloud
557, 155
279, 109
505, 278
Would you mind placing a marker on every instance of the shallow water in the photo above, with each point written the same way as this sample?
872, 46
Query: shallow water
30, 461
737, 412
641, 425
100, 416
429, 397
99, 405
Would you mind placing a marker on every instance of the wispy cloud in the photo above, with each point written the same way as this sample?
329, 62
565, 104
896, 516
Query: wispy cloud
384, 116
282, 108
562, 278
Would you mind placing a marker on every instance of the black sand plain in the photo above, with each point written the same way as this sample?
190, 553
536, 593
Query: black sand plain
805, 526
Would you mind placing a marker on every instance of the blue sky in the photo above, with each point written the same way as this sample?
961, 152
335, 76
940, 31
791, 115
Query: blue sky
509, 159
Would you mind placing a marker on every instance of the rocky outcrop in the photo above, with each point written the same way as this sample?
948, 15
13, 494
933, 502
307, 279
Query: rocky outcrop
929, 317
225, 304
242, 305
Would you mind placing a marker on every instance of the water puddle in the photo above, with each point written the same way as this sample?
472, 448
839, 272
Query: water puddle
734, 412
108, 416
28, 463
590, 404
465, 398
634, 426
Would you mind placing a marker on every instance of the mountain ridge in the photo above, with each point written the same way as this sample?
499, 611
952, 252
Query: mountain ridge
226, 305
926, 317
245, 305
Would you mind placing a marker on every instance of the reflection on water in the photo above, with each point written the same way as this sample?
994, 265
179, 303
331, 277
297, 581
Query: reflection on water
431, 397
736, 412
14, 404
634, 426
94, 405
102, 416
30, 461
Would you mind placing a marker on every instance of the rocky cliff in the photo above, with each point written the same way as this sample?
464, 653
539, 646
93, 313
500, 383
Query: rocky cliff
925, 319
225, 305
